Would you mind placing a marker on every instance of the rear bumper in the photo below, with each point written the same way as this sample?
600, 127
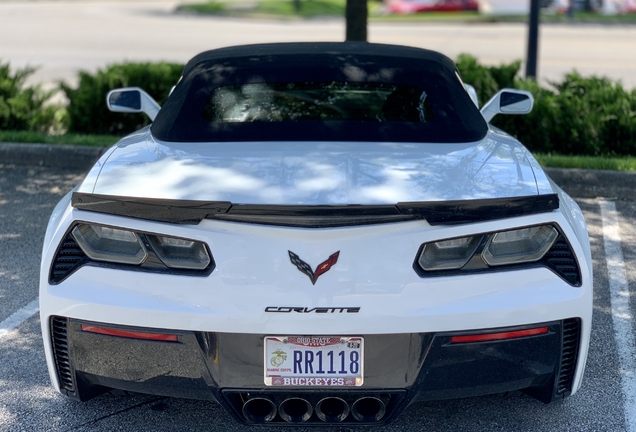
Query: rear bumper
399, 368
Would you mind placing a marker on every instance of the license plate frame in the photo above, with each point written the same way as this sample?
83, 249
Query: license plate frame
285, 367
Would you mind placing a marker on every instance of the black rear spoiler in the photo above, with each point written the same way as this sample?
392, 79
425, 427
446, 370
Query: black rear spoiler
319, 216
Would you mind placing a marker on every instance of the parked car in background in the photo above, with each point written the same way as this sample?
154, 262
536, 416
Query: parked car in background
418, 6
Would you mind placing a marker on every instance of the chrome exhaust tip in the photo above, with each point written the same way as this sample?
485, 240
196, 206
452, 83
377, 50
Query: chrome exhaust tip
368, 409
295, 410
332, 409
259, 410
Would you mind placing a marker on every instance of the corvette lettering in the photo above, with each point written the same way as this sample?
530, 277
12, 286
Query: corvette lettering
306, 268
322, 310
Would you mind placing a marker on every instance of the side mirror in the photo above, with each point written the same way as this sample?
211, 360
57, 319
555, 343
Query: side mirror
472, 93
132, 100
508, 101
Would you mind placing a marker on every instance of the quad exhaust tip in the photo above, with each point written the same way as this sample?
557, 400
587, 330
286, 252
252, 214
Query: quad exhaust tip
332, 409
295, 410
259, 410
368, 409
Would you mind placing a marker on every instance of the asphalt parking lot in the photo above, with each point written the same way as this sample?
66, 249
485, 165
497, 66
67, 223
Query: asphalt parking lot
28, 403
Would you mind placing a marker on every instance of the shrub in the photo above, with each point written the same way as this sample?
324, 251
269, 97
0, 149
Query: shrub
486, 80
22, 108
578, 116
211, 7
87, 111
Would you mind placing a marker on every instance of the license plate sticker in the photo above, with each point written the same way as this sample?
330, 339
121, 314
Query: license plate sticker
314, 361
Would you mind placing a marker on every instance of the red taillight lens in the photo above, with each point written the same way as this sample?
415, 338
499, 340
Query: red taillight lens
486, 337
130, 334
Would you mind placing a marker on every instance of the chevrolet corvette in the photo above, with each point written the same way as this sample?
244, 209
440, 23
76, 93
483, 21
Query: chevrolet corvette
317, 233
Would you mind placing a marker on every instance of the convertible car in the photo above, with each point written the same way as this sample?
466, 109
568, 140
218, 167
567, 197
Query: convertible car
317, 233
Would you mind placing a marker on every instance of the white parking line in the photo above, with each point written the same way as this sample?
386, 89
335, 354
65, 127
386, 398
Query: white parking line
18, 318
622, 317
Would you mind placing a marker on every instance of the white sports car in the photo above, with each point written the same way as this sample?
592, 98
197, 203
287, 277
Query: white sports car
319, 233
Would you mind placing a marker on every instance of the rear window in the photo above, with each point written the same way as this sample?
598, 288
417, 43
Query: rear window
320, 92
318, 101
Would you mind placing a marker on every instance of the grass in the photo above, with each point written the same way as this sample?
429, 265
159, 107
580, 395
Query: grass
42, 138
314, 8
626, 163
270, 8
210, 8
309, 8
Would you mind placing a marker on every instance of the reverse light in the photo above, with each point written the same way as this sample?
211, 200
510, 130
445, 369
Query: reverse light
519, 246
540, 246
122, 246
450, 254
179, 253
102, 243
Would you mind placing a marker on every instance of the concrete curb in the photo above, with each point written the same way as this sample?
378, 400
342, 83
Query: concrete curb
580, 183
577, 183
50, 155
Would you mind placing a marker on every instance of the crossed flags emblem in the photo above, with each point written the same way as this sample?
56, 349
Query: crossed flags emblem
306, 268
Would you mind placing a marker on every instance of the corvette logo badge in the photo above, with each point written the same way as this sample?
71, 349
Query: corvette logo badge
306, 268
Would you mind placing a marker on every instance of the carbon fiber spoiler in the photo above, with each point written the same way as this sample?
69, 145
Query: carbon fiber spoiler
319, 216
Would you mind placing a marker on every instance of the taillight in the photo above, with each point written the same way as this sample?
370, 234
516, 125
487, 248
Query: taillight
131, 334
489, 337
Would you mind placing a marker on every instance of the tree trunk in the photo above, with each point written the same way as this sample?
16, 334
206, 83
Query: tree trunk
297, 6
356, 17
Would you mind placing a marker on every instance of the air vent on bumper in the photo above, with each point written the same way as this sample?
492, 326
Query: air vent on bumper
560, 259
59, 339
69, 257
569, 355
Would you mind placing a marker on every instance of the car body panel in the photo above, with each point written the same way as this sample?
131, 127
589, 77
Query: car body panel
316, 173
252, 263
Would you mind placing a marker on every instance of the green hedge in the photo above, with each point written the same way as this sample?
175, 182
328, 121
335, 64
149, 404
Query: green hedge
577, 116
21, 107
87, 111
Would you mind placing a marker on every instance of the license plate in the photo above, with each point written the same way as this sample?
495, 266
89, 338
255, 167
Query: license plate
321, 361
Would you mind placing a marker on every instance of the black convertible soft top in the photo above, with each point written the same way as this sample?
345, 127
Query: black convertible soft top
454, 117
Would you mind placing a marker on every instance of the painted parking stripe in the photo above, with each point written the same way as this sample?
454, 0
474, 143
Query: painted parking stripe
18, 318
622, 317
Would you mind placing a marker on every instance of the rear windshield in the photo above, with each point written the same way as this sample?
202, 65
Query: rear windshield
320, 92
318, 101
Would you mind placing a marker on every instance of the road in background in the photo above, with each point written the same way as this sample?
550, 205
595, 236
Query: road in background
65, 36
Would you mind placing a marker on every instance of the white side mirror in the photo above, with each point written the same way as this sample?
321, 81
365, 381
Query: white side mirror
472, 93
132, 100
508, 101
